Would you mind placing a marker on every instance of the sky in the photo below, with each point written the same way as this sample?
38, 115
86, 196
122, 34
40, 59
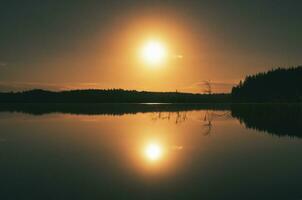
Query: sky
71, 44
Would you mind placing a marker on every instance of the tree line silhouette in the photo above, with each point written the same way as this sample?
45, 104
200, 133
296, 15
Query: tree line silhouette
277, 85
109, 96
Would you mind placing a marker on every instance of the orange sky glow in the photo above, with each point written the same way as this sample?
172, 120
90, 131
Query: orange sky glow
103, 50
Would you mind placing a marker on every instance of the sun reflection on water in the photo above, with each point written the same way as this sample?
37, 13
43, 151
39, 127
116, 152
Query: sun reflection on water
153, 151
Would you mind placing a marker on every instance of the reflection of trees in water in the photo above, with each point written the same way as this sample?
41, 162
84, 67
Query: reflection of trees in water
105, 108
207, 118
276, 119
178, 117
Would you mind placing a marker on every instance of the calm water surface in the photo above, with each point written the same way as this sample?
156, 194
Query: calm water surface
196, 154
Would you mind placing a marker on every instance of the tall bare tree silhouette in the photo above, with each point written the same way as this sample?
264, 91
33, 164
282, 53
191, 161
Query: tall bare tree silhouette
208, 87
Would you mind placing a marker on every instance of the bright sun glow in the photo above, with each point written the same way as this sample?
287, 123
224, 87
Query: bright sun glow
154, 52
153, 152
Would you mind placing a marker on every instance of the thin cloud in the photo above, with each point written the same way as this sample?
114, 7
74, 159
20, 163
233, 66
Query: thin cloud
3, 64
217, 87
22, 86
178, 56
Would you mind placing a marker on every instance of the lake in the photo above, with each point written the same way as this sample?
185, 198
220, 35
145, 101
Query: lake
150, 151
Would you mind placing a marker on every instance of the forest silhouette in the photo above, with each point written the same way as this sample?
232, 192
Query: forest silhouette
275, 86
109, 96
278, 85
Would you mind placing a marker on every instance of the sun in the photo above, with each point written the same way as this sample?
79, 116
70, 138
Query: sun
153, 152
154, 52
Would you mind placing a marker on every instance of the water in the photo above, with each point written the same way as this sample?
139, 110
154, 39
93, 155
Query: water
150, 152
